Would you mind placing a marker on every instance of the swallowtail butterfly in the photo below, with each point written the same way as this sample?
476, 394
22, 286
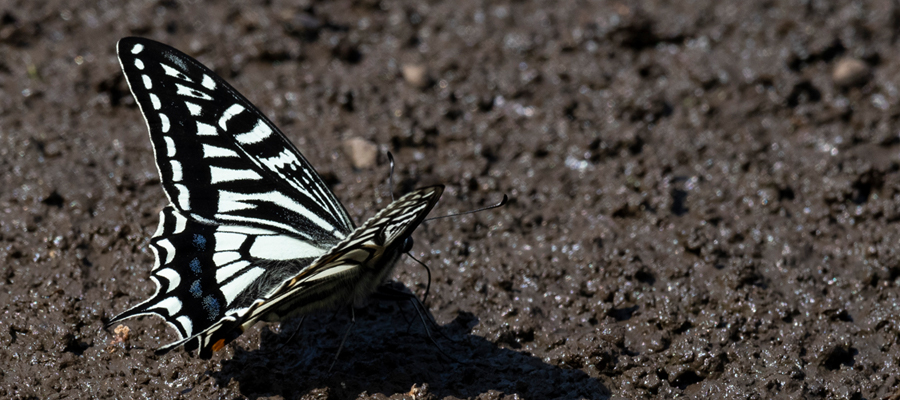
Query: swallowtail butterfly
251, 231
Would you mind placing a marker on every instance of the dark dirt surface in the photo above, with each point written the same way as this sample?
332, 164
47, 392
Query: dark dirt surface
704, 196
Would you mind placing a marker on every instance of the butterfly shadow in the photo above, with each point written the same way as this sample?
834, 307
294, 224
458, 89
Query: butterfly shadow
389, 352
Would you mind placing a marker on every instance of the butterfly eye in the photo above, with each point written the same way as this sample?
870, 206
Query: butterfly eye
407, 244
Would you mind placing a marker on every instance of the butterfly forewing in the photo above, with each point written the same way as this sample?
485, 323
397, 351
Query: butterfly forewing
219, 158
251, 231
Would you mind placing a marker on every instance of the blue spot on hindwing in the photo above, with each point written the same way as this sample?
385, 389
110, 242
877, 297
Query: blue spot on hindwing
196, 290
211, 305
195, 265
199, 242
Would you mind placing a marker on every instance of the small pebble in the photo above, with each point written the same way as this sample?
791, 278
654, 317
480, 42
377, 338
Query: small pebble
362, 152
416, 75
850, 72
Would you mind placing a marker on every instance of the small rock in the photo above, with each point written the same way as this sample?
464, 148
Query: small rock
362, 152
416, 75
850, 72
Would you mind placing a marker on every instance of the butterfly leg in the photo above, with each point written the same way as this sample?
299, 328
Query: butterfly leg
388, 292
299, 324
344, 339
428, 270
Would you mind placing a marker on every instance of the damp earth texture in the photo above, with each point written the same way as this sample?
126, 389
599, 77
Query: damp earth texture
704, 197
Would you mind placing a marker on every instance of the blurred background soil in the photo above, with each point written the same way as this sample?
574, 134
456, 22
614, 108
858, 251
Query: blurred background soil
704, 196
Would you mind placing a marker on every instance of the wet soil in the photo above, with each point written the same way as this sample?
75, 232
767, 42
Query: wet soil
704, 196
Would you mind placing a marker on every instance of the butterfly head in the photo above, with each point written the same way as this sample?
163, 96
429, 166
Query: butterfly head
407, 244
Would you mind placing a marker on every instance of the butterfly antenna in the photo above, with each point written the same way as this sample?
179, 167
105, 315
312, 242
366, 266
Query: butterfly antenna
421, 303
426, 318
491, 207
344, 339
391, 175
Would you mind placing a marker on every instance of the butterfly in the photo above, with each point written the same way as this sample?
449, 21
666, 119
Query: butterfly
251, 231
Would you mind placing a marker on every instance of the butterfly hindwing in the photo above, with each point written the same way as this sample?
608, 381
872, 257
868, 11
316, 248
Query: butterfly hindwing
205, 272
346, 273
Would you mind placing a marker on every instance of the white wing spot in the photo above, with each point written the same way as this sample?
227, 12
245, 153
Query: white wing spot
186, 91
177, 172
164, 121
169, 248
184, 197
187, 324
147, 82
137, 48
180, 223
226, 272
171, 304
139, 64
155, 100
283, 248
156, 260
237, 285
213, 151
208, 82
229, 241
174, 72
193, 108
227, 175
162, 224
231, 201
204, 129
225, 257
235, 109
170, 146
202, 219
259, 133
171, 276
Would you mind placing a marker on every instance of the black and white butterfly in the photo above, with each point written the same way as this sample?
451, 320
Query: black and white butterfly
251, 232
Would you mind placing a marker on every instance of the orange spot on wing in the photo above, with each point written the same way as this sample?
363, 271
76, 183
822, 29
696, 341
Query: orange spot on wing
218, 345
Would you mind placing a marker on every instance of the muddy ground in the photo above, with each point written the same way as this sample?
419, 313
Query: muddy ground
704, 196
